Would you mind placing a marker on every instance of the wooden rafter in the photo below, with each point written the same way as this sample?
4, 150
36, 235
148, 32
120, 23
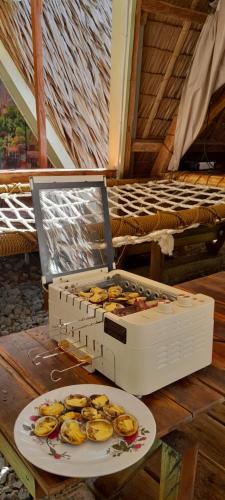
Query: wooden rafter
166, 151
36, 13
173, 11
169, 71
146, 146
134, 81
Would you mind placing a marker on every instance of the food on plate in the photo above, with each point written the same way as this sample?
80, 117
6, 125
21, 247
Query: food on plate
99, 430
76, 401
51, 410
114, 291
71, 432
113, 410
70, 415
83, 417
125, 425
45, 426
90, 413
111, 306
99, 401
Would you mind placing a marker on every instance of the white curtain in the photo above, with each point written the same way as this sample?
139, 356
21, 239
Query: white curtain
207, 74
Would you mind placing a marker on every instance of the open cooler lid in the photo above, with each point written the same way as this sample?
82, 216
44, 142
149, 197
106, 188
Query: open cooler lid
73, 224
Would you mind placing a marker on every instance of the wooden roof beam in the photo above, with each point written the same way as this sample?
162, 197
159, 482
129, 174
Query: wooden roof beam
123, 32
174, 11
23, 176
169, 72
166, 151
146, 146
140, 20
36, 14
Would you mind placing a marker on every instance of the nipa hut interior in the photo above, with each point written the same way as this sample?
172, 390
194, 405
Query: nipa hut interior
126, 97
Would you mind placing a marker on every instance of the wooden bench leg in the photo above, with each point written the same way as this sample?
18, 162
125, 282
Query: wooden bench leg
156, 262
178, 467
188, 473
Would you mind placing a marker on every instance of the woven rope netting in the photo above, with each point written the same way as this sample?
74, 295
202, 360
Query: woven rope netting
151, 211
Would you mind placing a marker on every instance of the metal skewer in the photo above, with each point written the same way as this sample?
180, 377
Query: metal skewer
65, 370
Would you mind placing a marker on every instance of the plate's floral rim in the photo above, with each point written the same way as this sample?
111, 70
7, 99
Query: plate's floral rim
51, 441
126, 444
129, 444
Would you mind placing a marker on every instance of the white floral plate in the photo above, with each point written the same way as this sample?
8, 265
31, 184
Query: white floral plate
89, 459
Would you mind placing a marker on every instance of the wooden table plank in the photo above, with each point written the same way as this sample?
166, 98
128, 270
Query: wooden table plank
14, 349
211, 436
218, 413
193, 395
19, 394
219, 355
213, 377
167, 413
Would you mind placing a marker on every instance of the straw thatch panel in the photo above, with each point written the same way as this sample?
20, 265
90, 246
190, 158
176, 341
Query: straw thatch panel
165, 40
77, 47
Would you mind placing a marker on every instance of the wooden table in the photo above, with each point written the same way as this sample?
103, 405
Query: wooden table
176, 404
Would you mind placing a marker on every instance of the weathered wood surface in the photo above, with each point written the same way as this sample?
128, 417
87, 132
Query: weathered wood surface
174, 11
22, 176
211, 436
213, 377
193, 395
218, 413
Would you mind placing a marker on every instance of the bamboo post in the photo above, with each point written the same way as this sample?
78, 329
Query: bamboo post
36, 13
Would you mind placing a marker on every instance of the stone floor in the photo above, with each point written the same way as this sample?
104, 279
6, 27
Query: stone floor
11, 488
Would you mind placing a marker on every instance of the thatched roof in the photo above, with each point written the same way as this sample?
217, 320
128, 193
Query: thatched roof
77, 47
168, 48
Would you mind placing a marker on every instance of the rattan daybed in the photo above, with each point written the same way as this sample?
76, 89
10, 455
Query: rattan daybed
152, 211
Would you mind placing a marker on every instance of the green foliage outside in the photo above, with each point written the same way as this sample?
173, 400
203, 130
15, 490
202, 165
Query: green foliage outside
13, 129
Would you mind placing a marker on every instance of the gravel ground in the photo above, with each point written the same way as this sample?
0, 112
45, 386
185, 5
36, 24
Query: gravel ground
21, 301
11, 488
